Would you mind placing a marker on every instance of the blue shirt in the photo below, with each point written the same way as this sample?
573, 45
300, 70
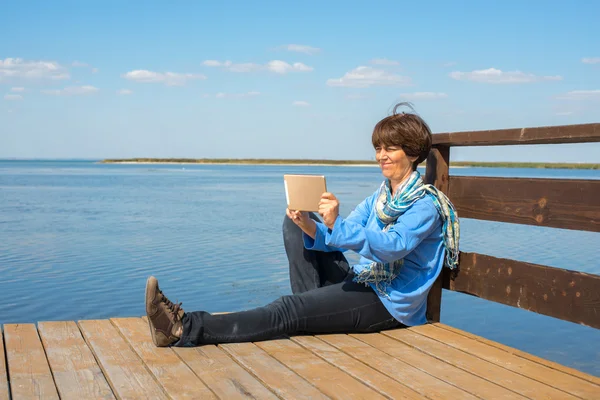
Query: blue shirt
416, 237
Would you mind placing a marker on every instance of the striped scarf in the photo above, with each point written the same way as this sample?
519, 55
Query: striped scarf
388, 210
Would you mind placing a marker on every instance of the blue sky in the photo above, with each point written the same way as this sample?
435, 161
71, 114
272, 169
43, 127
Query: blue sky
98, 79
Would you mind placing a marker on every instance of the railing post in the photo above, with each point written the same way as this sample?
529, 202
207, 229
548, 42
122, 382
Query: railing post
436, 174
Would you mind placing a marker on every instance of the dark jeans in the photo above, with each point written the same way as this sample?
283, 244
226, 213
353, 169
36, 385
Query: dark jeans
324, 300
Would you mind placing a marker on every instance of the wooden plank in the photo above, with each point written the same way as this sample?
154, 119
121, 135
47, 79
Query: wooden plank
329, 379
551, 377
448, 373
517, 352
221, 374
3, 376
581, 133
175, 377
30, 376
476, 366
285, 383
437, 174
568, 295
76, 373
555, 203
362, 372
437, 171
397, 369
124, 370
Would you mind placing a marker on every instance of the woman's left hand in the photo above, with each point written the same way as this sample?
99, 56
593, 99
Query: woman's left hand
329, 209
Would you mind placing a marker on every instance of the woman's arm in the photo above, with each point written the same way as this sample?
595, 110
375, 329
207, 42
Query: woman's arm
360, 215
405, 235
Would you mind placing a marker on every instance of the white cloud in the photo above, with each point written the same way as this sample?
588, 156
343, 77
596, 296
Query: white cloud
215, 63
228, 65
277, 66
493, 75
364, 77
223, 95
13, 97
17, 89
79, 64
580, 95
72, 91
168, 78
281, 67
300, 48
17, 68
423, 95
384, 61
124, 92
591, 60
244, 67
301, 103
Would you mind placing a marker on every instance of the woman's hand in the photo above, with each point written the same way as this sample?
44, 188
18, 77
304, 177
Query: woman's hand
329, 209
303, 221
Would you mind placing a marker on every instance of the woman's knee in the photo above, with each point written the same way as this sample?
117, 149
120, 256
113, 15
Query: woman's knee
292, 232
290, 229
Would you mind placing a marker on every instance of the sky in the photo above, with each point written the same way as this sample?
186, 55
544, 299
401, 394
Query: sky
272, 79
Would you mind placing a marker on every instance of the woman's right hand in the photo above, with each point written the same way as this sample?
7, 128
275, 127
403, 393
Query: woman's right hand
303, 220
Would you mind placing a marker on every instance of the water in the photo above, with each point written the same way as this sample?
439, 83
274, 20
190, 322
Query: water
78, 240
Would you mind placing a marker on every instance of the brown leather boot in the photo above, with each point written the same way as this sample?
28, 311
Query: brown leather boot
164, 317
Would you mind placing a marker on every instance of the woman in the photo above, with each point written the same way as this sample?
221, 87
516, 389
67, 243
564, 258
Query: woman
405, 232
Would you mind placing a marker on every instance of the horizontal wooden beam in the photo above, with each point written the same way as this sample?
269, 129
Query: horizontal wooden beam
583, 133
567, 295
557, 203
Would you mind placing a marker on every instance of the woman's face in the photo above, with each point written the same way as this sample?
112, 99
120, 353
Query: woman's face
395, 164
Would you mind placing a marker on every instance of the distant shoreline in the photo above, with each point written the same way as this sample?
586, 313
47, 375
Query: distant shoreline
344, 163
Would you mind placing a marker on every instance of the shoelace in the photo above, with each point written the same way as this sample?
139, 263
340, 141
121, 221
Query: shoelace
174, 308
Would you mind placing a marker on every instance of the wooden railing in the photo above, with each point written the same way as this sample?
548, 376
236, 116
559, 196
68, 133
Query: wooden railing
557, 203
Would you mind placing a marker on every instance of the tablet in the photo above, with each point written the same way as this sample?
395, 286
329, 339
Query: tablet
303, 192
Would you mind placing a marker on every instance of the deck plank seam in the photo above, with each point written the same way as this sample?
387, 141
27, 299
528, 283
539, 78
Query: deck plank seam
513, 370
102, 368
291, 369
336, 367
154, 377
533, 359
357, 359
266, 385
5, 361
422, 370
262, 382
457, 366
47, 360
145, 319
107, 376
498, 365
195, 374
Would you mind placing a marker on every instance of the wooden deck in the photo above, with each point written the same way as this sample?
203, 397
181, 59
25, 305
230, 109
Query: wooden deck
107, 359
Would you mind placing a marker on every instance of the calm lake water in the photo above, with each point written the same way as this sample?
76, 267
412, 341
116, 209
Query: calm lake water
78, 240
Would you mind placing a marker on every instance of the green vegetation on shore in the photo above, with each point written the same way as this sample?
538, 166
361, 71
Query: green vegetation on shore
344, 162
237, 161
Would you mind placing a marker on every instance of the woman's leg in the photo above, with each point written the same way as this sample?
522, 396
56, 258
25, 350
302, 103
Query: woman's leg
311, 269
342, 307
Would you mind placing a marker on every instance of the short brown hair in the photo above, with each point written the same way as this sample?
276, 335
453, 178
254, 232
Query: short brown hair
405, 130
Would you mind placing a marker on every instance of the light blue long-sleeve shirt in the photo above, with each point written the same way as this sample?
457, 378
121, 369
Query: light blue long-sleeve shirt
416, 237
